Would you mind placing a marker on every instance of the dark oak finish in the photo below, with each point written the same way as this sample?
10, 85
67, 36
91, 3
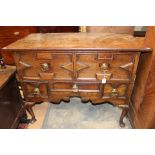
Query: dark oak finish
11, 104
96, 67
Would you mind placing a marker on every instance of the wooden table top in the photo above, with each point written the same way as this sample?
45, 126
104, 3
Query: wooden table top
58, 41
5, 74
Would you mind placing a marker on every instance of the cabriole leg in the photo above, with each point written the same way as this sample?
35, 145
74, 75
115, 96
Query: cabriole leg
123, 114
28, 107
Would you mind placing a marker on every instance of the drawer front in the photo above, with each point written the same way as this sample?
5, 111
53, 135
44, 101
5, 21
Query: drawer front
78, 66
44, 66
45, 90
33, 89
112, 66
115, 90
75, 87
51, 75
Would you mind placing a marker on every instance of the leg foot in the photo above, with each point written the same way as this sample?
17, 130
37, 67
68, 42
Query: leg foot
124, 113
28, 107
24, 119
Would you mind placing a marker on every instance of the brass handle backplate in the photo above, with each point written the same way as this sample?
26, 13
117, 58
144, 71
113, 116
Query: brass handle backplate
36, 91
105, 71
75, 88
45, 67
107, 76
114, 92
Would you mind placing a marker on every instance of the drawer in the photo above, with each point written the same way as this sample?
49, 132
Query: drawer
115, 90
108, 90
70, 89
44, 66
75, 87
114, 66
116, 93
35, 89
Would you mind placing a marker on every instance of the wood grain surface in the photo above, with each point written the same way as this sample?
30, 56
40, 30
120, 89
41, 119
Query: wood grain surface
77, 40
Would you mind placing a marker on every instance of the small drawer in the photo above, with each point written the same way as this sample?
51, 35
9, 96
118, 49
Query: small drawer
115, 90
35, 89
75, 87
44, 65
121, 66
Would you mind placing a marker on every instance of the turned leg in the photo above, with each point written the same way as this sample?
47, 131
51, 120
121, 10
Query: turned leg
28, 107
124, 113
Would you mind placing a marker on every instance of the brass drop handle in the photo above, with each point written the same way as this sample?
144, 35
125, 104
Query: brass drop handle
106, 74
114, 92
45, 67
104, 66
16, 33
36, 91
75, 88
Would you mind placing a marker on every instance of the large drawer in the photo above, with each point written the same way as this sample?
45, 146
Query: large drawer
45, 89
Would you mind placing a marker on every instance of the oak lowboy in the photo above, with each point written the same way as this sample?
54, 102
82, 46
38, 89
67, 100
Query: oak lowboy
95, 67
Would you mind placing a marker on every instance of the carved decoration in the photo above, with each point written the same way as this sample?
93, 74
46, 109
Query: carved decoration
128, 67
24, 65
68, 67
79, 66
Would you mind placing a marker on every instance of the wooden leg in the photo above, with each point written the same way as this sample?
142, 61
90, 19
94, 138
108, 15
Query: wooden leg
24, 119
28, 107
124, 113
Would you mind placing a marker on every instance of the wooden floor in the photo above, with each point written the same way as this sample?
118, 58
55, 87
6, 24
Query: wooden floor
40, 111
